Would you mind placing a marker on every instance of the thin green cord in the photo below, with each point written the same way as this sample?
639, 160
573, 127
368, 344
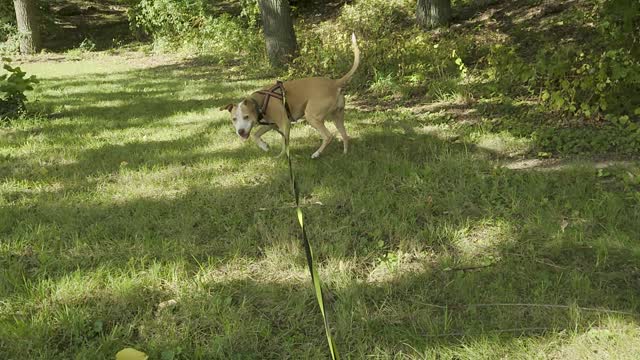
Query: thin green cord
315, 278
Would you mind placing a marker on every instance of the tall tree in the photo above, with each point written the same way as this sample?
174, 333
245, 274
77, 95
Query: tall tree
27, 18
433, 13
278, 31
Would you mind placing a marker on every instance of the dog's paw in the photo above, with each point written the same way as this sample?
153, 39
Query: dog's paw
264, 146
315, 155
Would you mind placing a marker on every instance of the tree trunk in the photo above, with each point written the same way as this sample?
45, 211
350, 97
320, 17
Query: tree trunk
278, 31
26, 16
433, 13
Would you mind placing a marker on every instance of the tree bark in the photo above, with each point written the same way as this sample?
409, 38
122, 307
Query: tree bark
433, 13
27, 19
279, 36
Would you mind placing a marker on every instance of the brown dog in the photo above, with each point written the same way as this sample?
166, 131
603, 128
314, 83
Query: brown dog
315, 99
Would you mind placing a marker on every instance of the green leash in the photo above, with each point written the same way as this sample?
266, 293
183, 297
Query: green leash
315, 278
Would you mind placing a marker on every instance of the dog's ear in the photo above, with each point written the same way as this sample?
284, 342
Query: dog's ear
251, 105
227, 107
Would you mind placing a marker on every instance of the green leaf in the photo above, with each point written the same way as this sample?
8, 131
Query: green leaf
545, 95
557, 100
603, 104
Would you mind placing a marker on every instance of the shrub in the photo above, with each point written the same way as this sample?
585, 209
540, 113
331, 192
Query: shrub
12, 88
8, 30
397, 58
189, 25
594, 80
591, 84
370, 21
169, 18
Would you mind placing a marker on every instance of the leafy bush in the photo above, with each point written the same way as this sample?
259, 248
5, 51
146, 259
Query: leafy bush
10, 41
618, 21
250, 14
326, 49
398, 59
7, 14
169, 18
607, 139
594, 80
592, 84
8, 30
12, 88
191, 26
507, 72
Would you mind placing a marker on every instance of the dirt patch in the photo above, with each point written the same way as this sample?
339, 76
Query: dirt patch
562, 164
94, 25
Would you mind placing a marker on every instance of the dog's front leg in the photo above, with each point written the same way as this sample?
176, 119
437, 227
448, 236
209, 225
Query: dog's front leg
257, 137
284, 131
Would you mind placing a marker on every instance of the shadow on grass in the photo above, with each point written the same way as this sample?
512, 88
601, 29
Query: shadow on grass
390, 195
425, 228
530, 24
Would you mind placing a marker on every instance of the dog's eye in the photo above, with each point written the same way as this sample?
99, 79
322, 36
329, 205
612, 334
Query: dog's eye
234, 119
246, 117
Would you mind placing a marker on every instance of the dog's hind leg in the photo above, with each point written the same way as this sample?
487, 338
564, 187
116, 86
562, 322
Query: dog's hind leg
338, 116
327, 136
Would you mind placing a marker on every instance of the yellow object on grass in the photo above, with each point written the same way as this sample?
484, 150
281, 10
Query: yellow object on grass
131, 354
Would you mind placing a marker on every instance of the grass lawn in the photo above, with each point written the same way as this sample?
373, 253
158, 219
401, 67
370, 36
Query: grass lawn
134, 217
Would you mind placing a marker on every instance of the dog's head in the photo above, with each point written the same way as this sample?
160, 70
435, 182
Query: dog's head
243, 116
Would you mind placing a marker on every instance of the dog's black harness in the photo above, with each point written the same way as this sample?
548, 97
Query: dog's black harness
277, 91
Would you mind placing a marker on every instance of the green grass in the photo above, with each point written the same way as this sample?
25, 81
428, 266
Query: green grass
137, 192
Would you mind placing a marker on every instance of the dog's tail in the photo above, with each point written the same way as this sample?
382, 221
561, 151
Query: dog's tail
356, 61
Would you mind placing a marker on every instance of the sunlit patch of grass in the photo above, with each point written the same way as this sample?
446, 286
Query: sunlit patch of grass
502, 143
441, 131
615, 338
135, 217
480, 243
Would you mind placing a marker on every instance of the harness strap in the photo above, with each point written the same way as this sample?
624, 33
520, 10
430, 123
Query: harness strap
277, 91
272, 92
